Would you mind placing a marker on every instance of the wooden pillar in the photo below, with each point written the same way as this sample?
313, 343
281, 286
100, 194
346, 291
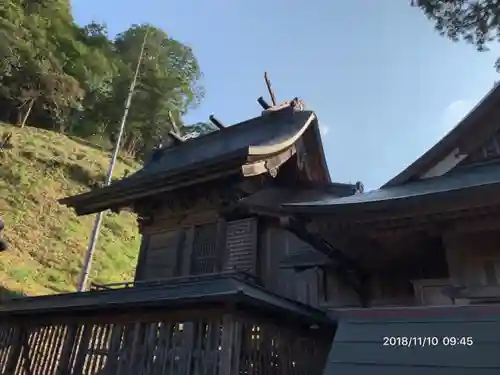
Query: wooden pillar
111, 366
231, 345
83, 348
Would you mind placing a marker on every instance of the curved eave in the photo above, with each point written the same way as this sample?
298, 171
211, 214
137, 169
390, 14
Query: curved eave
281, 146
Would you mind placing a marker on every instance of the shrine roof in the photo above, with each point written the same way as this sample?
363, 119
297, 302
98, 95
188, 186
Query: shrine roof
225, 151
460, 182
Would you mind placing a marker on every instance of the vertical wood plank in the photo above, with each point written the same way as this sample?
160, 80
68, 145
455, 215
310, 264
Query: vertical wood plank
141, 261
68, 345
228, 342
134, 348
236, 350
190, 331
166, 342
221, 244
114, 352
187, 251
161, 259
83, 348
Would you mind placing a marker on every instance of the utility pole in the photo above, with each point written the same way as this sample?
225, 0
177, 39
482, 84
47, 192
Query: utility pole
82, 284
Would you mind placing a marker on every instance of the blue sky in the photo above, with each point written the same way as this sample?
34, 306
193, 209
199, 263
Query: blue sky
384, 84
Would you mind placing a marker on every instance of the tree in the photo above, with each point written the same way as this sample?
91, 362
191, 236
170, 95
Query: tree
101, 70
198, 129
169, 82
75, 79
38, 47
474, 21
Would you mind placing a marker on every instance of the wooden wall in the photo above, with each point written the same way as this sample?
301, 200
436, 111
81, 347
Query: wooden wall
319, 287
205, 243
275, 245
195, 244
473, 258
338, 293
391, 288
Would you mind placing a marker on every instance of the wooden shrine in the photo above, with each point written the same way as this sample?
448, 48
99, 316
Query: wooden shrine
253, 261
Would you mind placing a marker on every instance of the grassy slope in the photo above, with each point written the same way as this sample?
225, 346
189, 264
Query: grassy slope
47, 240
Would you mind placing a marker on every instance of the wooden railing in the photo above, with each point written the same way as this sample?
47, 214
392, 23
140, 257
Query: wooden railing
135, 346
122, 332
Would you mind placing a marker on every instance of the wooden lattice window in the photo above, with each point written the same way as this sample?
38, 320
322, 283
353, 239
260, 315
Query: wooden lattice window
205, 254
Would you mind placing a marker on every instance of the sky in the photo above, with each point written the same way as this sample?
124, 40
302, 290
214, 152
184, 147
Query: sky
384, 84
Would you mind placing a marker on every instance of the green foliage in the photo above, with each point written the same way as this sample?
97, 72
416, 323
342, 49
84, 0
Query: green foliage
476, 22
47, 240
75, 79
197, 129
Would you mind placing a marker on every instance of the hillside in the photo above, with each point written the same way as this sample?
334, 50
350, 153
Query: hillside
47, 240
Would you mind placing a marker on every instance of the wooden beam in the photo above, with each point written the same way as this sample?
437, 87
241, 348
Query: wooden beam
216, 122
488, 222
487, 218
269, 89
268, 165
175, 128
140, 194
263, 103
176, 138
350, 270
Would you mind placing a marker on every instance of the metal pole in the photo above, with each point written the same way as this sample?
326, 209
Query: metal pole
82, 284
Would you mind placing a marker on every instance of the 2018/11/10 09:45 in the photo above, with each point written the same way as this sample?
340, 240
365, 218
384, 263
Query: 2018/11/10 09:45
427, 341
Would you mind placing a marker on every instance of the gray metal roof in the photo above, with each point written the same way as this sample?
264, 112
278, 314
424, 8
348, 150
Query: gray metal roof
207, 289
257, 136
358, 346
275, 197
460, 180
221, 151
